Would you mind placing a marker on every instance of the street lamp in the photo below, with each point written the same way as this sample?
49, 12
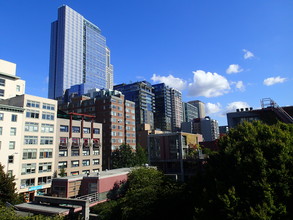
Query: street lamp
8, 160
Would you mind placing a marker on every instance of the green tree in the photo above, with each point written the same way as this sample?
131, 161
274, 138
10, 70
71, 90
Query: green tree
7, 188
62, 172
123, 157
141, 156
148, 195
251, 177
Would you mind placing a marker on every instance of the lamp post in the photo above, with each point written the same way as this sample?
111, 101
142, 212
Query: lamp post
8, 160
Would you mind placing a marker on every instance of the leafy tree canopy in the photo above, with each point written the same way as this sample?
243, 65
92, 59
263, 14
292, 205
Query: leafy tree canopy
126, 157
251, 177
7, 188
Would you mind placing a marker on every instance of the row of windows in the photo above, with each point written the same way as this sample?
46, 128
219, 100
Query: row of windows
36, 114
76, 129
74, 173
76, 163
34, 127
13, 117
29, 168
32, 153
31, 182
76, 152
35, 104
33, 140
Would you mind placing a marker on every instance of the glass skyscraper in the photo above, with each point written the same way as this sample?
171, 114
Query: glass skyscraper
78, 55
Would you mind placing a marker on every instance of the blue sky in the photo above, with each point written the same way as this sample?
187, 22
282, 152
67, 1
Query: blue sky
228, 53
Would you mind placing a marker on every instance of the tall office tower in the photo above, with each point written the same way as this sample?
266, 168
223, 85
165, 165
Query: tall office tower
189, 112
176, 106
78, 55
163, 114
200, 107
140, 93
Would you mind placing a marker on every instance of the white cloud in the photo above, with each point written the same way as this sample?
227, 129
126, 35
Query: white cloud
239, 85
208, 84
212, 108
170, 80
234, 68
231, 107
273, 80
247, 54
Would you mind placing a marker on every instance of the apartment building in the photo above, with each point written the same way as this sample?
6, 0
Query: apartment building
115, 113
79, 141
33, 137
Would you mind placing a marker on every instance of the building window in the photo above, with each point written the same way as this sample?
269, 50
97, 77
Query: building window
44, 180
17, 88
96, 170
29, 154
2, 82
48, 106
1, 130
13, 117
46, 153
12, 131
96, 161
85, 172
74, 152
62, 164
30, 140
10, 159
28, 168
31, 127
75, 142
32, 114
75, 163
48, 116
1, 116
47, 128
86, 130
74, 173
96, 131
85, 163
32, 104
45, 167
46, 140
63, 128
75, 129
85, 152
11, 145
96, 152
2, 92
10, 173
63, 153
27, 182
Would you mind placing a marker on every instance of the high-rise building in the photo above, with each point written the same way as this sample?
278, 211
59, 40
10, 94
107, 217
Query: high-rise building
176, 106
189, 112
140, 93
163, 114
78, 55
208, 127
200, 107
115, 113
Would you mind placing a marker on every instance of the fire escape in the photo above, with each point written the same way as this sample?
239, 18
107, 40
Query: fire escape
281, 113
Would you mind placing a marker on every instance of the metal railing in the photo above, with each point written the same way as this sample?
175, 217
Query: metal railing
93, 197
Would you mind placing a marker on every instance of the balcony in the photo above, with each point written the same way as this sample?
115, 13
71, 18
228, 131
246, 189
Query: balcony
75, 145
63, 145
